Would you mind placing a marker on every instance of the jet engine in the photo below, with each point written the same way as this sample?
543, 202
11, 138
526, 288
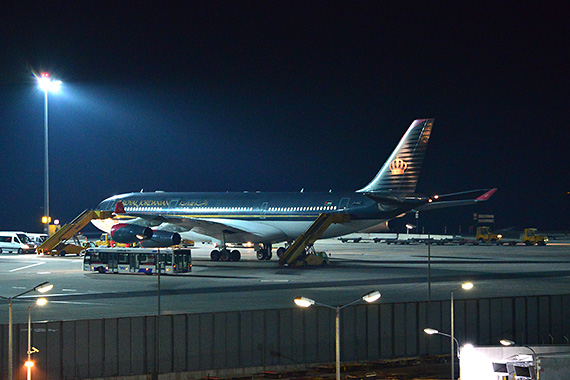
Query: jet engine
130, 233
161, 238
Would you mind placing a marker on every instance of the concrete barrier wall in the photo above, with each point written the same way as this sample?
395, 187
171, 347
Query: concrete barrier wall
210, 342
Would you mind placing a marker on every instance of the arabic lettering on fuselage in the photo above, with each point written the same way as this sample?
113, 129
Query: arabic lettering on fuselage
185, 203
162, 203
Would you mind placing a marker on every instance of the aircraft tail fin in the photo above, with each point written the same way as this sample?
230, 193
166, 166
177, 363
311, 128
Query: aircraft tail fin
399, 174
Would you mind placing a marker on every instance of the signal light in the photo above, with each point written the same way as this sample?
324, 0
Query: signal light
29, 364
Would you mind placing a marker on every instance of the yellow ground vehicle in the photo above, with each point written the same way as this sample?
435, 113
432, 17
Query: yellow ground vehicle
484, 235
105, 241
57, 243
529, 236
67, 248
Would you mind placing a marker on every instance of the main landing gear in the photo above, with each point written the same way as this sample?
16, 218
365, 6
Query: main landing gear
262, 252
225, 254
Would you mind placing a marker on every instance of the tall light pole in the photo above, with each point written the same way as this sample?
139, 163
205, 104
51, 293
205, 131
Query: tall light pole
29, 364
464, 286
306, 302
47, 85
42, 288
535, 361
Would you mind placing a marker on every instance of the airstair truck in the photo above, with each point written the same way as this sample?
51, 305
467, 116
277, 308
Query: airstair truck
52, 245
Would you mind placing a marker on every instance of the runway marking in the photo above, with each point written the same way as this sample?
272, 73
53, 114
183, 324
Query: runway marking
274, 280
44, 272
27, 266
68, 290
80, 303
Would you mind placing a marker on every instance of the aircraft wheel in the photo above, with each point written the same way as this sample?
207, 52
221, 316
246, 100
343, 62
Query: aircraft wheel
224, 255
101, 270
215, 255
20, 251
261, 254
235, 255
280, 251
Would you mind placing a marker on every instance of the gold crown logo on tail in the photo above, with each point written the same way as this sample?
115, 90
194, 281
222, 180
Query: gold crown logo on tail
398, 166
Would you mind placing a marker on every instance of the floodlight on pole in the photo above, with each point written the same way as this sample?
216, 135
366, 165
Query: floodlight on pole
46, 84
307, 302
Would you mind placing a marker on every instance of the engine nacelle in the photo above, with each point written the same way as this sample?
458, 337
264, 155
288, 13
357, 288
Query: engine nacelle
130, 233
161, 238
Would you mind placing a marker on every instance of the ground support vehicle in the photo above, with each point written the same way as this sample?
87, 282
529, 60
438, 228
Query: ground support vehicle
311, 258
69, 230
106, 241
138, 260
485, 235
301, 252
529, 236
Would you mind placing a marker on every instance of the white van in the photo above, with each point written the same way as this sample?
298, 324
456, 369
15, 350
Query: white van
16, 242
37, 239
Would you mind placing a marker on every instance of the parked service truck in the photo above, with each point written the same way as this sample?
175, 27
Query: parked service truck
529, 236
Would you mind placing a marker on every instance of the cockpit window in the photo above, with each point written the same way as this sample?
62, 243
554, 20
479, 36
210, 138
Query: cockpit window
106, 205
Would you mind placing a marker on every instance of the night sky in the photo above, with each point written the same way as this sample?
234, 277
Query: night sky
284, 95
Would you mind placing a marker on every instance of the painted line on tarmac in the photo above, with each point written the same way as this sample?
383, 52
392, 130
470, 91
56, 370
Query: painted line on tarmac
80, 303
27, 266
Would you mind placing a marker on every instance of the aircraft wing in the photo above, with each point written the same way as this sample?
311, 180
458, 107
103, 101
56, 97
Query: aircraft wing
450, 200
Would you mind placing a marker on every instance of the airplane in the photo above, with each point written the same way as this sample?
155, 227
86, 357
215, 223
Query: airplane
161, 219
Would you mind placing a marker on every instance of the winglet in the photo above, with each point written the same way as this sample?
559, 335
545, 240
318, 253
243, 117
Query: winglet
119, 208
487, 195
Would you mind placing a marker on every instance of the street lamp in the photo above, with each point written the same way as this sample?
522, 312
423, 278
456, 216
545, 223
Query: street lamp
307, 302
31, 350
41, 288
464, 286
430, 331
47, 84
506, 342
